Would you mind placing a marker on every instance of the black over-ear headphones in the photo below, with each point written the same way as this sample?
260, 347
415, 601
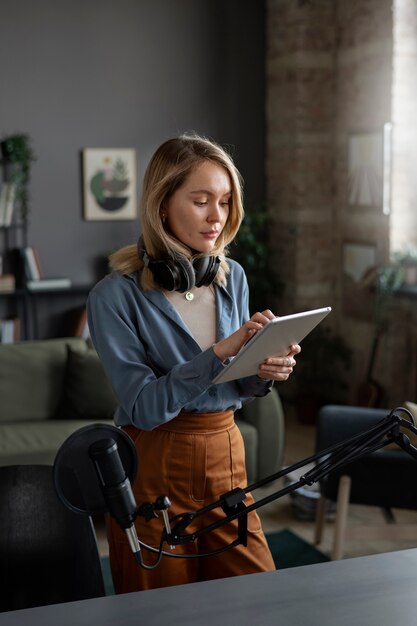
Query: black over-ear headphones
179, 273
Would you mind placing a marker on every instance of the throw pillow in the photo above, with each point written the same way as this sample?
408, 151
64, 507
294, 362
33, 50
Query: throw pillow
32, 377
87, 392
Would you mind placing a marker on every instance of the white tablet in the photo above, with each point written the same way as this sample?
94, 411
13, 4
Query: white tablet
274, 339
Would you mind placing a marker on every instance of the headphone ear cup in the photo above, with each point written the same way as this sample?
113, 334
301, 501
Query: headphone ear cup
178, 273
205, 269
164, 274
173, 276
186, 275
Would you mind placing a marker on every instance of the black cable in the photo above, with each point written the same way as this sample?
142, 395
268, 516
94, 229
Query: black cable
162, 553
150, 566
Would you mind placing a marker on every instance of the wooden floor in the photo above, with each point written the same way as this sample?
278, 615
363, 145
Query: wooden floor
367, 526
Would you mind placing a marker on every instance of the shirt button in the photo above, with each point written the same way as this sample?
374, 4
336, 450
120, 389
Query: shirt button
213, 392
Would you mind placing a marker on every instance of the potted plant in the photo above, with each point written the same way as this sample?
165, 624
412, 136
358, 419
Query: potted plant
407, 261
321, 374
386, 279
251, 249
18, 154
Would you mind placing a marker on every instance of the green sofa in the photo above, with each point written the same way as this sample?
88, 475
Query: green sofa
53, 387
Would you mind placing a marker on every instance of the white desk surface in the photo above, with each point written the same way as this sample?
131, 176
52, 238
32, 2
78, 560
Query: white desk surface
377, 590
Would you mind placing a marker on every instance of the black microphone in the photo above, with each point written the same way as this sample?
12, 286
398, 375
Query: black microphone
116, 488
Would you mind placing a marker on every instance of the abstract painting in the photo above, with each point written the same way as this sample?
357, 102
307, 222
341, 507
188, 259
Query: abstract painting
109, 184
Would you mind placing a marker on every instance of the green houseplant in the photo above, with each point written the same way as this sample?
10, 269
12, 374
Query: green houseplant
386, 280
17, 154
252, 250
321, 374
407, 262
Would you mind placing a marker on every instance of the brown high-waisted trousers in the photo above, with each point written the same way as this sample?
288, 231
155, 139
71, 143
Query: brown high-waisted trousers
192, 459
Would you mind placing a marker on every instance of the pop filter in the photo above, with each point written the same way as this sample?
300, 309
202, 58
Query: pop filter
75, 477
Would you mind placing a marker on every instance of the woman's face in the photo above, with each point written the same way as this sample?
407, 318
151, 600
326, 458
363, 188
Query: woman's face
197, 211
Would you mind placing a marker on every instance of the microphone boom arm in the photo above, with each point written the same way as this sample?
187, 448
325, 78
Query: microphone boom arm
91, 478
385, 432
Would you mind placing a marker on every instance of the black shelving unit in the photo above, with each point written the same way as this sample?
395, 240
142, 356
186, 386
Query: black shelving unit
26, 304
22, 303
14, 304
68, 297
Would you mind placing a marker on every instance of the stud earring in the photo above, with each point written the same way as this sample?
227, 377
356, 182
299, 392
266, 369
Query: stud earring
163, 217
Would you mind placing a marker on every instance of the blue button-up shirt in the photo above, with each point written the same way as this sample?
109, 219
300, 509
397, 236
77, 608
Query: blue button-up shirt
154, 364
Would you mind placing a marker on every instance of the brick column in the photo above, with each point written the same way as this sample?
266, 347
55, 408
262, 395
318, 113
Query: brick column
300, 151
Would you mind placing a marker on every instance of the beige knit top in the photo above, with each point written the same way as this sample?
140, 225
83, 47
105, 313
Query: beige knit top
197, 309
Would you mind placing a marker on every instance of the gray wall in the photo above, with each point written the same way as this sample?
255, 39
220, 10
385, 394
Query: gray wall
125, 73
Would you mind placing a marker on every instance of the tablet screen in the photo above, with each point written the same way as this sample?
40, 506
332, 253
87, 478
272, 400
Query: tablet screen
274, 339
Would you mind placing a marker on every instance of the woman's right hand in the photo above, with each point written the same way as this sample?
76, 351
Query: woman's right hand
231, 345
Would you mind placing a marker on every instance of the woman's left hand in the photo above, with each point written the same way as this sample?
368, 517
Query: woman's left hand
279, 367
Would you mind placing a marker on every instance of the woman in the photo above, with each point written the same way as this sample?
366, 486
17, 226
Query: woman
164, 322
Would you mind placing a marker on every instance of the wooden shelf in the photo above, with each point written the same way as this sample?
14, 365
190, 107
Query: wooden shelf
74, 289
21, 291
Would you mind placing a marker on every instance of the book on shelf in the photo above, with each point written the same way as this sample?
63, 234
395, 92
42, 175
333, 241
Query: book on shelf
54, 282
4, 190
7, 202
35, 278
7, 283
10, 202
9, 330
32, 266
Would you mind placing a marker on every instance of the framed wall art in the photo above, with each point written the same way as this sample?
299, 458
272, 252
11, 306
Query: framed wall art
358, 259
359, 271
109, 184
366, 170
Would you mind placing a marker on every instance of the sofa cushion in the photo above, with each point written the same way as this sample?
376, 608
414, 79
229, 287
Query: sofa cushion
30, 442
87, 393
31, 377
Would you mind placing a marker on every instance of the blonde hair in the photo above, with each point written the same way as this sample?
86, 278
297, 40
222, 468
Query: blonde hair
169, 167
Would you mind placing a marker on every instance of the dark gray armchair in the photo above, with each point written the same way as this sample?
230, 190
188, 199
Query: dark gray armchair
261, 422
386, 478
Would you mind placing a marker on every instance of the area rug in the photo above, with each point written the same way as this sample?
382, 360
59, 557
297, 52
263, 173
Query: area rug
288, 550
